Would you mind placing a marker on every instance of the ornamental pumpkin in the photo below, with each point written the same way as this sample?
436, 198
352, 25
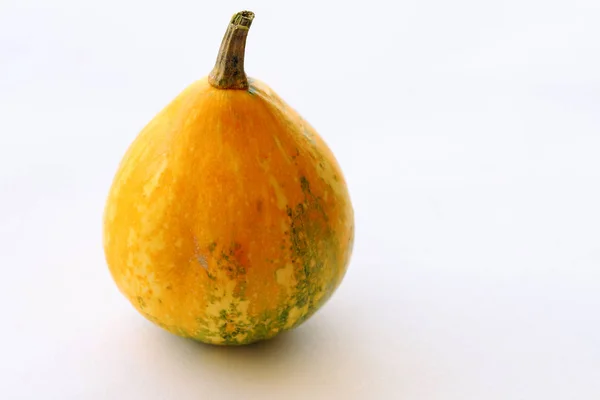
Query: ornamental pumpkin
228, 220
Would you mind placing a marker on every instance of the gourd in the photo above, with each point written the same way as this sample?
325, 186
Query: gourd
229, 219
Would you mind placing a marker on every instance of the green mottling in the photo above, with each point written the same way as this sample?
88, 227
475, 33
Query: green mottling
304, 185
260, 331
231, 330
226, 320
232, 268
240, 289
211, 247
283, 316
141, 302
307, 221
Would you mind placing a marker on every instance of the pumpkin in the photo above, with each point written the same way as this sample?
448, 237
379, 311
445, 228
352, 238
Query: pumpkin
229, 220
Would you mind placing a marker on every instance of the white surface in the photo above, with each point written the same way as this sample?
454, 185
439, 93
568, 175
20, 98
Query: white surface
469, 132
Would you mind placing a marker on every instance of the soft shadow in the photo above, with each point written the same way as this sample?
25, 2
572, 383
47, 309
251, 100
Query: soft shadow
277, 355
315, 354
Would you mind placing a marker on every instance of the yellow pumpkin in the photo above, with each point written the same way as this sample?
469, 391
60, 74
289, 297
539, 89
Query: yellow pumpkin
229, 219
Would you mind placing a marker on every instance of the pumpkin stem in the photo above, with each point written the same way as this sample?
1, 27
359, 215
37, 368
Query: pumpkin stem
228, 72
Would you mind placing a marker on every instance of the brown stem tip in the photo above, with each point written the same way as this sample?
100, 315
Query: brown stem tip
228, 72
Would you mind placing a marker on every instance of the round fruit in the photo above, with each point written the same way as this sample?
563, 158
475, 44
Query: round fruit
229, 219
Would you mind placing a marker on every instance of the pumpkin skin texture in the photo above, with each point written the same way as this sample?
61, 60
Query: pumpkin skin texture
229, 220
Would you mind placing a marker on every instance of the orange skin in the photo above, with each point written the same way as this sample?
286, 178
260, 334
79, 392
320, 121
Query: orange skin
229, 219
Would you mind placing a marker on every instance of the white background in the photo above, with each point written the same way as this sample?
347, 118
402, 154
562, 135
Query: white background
469, 133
